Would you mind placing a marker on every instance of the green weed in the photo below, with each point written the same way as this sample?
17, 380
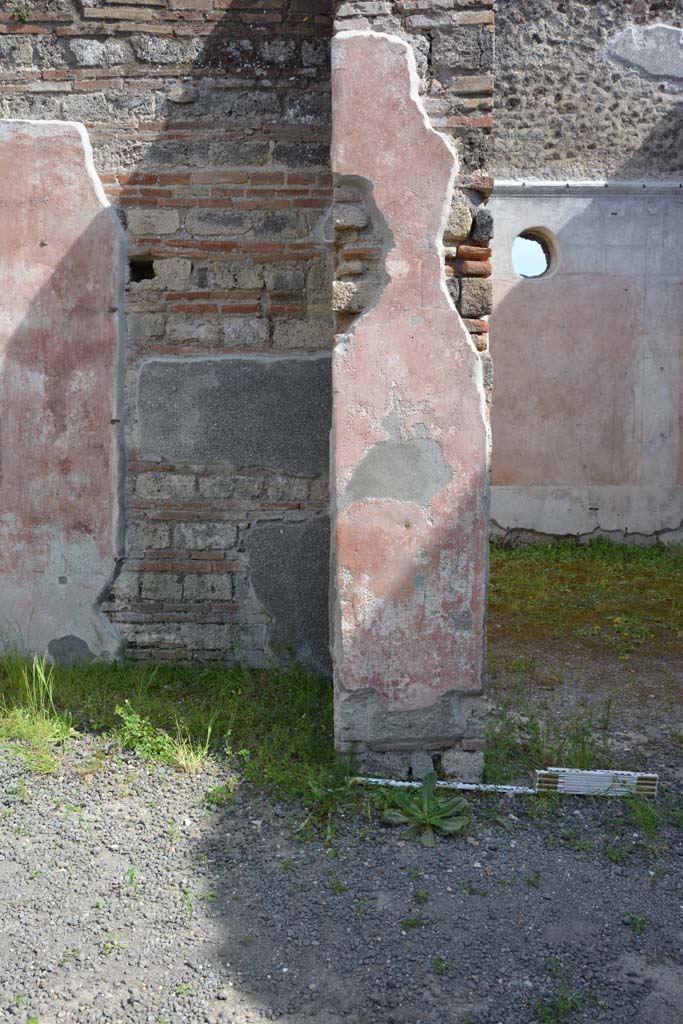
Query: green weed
521, 739
472, 890
181, 714
69, 955
28, 712
427, 814
220, 795
21, 13
113, 944
555, 967
618, 597
131, 881
410, 923
556, 1010
441, 967
179, 749
575, 842
637, 923
644, 815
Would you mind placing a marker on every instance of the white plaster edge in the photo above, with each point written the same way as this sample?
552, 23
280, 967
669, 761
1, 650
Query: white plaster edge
416, 98
580, 187
255, 357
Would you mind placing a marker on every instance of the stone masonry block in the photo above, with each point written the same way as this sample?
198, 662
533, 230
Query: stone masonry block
308, 333
204, 536
15, 50
463, 765
245, 331
204, 586
459, 219
173, 274
463, 50
93, 54
145, 222
476, 297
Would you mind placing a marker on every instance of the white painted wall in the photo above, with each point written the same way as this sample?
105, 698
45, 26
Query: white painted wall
587, 403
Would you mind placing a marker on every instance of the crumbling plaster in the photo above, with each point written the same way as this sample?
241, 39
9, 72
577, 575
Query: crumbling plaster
409, 441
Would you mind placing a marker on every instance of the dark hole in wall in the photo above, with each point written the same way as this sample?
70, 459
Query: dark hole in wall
141, 268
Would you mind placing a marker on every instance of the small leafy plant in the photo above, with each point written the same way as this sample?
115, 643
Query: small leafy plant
441, 966
559, 1008
637, 923
113, 944
426, 814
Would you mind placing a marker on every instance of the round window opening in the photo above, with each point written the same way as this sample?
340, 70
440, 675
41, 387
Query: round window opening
530, 255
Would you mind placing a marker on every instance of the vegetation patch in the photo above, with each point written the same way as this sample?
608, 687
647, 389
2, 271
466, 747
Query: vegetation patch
614, 596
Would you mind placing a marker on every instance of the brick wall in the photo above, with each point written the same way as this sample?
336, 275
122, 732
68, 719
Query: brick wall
453, 43
209, 121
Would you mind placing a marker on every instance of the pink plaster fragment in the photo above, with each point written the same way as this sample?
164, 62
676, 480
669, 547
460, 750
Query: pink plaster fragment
59, 344
411, 537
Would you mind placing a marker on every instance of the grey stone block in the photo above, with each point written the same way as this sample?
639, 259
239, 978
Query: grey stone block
15, 50
245, 331
69, 650
483, 225
156, 50
468, 49
91, 53
476, 297
289, 573
256, 411
205, 536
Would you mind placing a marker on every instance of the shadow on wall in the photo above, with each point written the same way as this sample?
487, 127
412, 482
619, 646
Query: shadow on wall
79, 282
587, 418
227, 265
59, 383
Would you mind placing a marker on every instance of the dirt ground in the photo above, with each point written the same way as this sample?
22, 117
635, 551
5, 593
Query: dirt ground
130, 895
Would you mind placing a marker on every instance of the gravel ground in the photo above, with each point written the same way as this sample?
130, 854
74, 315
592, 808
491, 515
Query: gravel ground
125, 899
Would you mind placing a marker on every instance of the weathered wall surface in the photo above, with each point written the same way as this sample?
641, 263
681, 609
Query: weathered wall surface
587, 431
410, 446
61, 282
588, 90
209, 121
588, 411
210, 128
453, 45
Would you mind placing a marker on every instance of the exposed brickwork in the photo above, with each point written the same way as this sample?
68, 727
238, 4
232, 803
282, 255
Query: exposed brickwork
210, 127
453, 42
210, 123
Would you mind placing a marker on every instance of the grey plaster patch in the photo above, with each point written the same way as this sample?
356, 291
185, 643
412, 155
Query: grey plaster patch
247, 411
69, 650
361, 713
656, 49
412, 470
289, 564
